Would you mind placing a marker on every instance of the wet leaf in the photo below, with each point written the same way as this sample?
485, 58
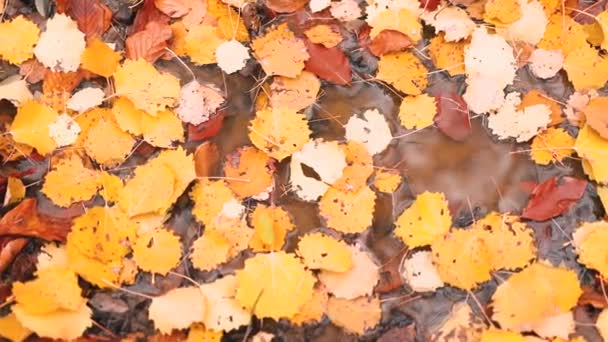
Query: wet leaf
93, 16
150, 43
329, 64
388, 41
285, 6
553, 197
452, 117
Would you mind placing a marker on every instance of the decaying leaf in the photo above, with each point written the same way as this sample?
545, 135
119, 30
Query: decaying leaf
354, 315
348, 211
189, 302
358, 281
99, 58
551, 146
26, 220
295, 93
372, 131
403, 71
588, 240
279, 132
270, 225
280, 52
15, 89
232, 56
417, 112
319, 251
420, 273
60, 47
523, 125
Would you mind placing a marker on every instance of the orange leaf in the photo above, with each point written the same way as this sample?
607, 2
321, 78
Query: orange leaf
92, 16
206, 159
388, 41
150, 43
146, 14
173, 8
25, 220
99, 58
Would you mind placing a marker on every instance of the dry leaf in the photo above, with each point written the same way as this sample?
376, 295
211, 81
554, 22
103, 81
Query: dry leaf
319, 251
387, 180
61, 45
551, 146
372, 131
403, 71
358, 281
70, 181
64, 131
324, 35
595, 113
546, 63
279, 52
355, 315
202, 54
522, 125
249, 172
295, 93
189, 302
279, 132
93, 16
453, 21
99, 58
17, 39
232, 56
348, 211
345, 10
270, 225
448, 56
586, 69
401, 20
10, 327
25, 220
420, 273
417, 112
530, 27
223, 312
61, 324
148, 44
15, 89
31, 126
425, 221
157, 251
86, 99
197, 103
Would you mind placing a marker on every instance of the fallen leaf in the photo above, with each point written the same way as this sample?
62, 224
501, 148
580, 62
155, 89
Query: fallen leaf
426, 220
591, 147
64, 131
319, 251
198, 103
17, 39
595, 113
174, 8
560, 326
61, 45
54, 289
69, 181
32, 70
348, 211
280, 52
602, 323
209, 251
232, 56
553, 197
588, 240
452, 117
586, 69
206, 159
249, 172
355, 315
461, 322
494, 334
417, 112
295, 93
99, 58
93, 16
10, 327
503, 11
447, 56
61, 324
453, 21
210, 198
563, 33
537, 96
420, 273
387, 180
85, 99
358, 281
279, 132
324, 35
546, 63
202, 54
31, 126
345, 10
149, 44
530, 27
388, 41
400, 20
147, 13
25, 220
372, 131
358, 169
271, 225
188, 301
329, 64
223, 312
404, 71
523, 125
285, 6
551, 146
157, 251
274, 285
105, 142
313, 310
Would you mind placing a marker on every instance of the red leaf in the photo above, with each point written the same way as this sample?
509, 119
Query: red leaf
146, 14
207, 129
452, 117
150, 43
92, 16
328, 64
553, 197
285, 6
389, 41
173, 8
429, 5
206, 159
25, 220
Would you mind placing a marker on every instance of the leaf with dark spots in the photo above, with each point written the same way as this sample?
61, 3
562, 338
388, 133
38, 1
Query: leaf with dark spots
207, 129
285, 6
9, 248
452, 117
388, 41
93, 16
25, 220
329, 64
553, 197
150, 43
206, 159
146, 14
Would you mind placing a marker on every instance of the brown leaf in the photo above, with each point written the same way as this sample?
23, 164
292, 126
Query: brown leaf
206, 159
388, 41
25, 220
207, 129
285, 6
9, 248
150, 43
452, 117
173, 8
405, 333
93, 16
553, 197
32, 70
330, 64
146, 14
592, 297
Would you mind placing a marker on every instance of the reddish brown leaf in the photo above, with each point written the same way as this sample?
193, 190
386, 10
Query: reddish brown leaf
429, 5
173, 8
206, 159
9, 248
389, 41
330, 64
25, 220
146, 14
553, 197
145, 149
592, 297
61, 6
207, 129
93, 16
285, 6
452, 117
390, 277
150, 43
33, 70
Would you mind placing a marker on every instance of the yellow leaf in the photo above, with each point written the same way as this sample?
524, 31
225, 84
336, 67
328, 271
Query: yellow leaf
348, 211
401, 20
103, 233
200, 44
274, 285
404, 71
537, 292
590, 240
127, 116
17, 39
177, 309
209, 199
593, 149
417, 112
11, 329
595, 33
448, 56
15, 190
426, 220
313, 310
55, 288
358, 281
52, 255
602, 192
319, 251
462, 258
178, 43
106, 143
157, 251
31, 126
270, 225
387, 181
223, 312
209, 251
279, 132
102, 274
586, 69
111, 186
551, 146
495, 335
323, 34
70, 181
563, 33
162, 130
510, 242
60, 324
293, 93
229, 22
502, 11
280, 52
148, 89
198, 333
248, 172
602, 20
359, 166
355, 315
99, 58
